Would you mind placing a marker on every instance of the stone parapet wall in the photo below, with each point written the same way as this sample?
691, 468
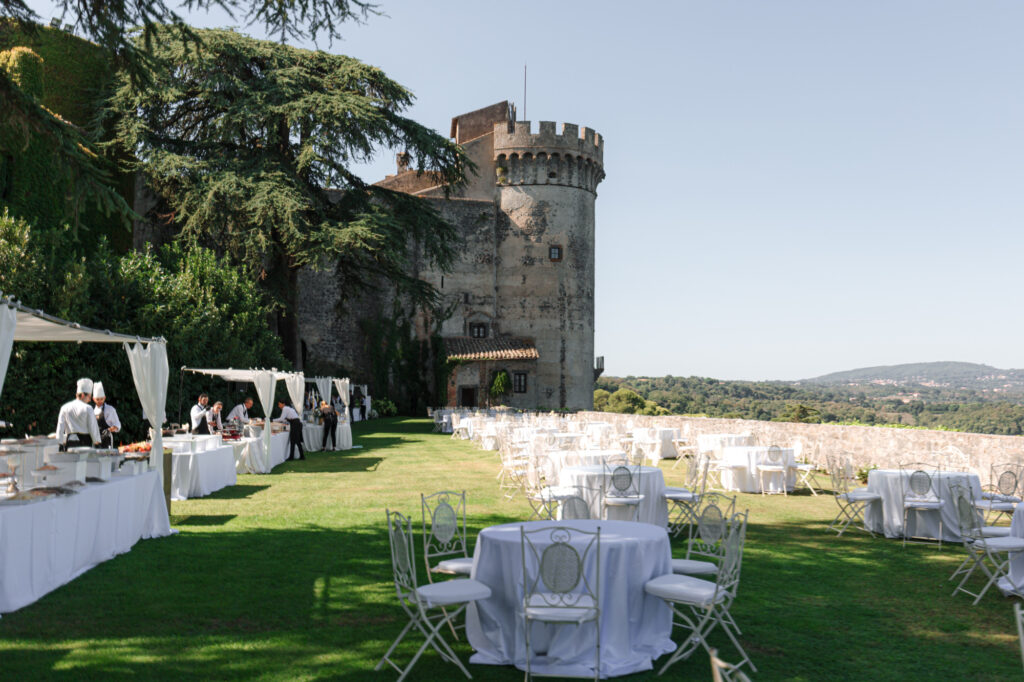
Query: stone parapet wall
867, 445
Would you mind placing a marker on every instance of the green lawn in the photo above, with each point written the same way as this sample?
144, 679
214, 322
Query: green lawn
287, 576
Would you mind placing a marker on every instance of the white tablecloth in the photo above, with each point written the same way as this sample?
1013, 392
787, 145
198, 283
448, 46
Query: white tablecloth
635, 627
739, 471
1016, 582
249, 457
197, 474
656, 444
713, 442
923, 524
653, 508
313, 437
566, 458
47, 544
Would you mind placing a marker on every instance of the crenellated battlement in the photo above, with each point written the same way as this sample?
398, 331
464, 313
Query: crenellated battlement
573, 158
517, 137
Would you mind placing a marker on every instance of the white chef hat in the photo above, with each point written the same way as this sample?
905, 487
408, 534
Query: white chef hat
84, 386
97, 390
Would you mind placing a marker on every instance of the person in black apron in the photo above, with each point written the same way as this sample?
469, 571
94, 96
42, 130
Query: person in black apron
106, 416
76, 423
289, 415
200, 424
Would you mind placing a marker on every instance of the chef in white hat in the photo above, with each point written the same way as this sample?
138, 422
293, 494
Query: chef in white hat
76, 423
106, 416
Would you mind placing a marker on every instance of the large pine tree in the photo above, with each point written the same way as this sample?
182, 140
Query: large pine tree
251, 143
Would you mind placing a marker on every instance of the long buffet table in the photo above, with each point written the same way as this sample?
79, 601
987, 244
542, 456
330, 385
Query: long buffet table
313, 437
44, 545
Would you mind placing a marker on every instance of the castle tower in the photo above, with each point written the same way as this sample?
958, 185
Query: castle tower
547, 185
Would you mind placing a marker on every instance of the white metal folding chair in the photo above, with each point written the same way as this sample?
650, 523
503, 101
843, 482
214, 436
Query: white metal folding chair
702, 605
446, 534
706, 542
774, 465
561, 582
1001, 496
803, 469
419, 602
683, 501
621, 487
920, 495
851, 502
991, 554
725, 672
1018, 617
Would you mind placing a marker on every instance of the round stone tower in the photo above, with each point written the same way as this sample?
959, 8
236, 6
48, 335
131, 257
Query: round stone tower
547, 184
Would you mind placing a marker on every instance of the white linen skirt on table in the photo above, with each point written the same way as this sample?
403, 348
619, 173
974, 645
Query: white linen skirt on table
635, 626
887, 516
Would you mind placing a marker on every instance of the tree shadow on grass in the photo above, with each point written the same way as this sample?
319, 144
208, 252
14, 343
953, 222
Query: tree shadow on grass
201, 520
239, 491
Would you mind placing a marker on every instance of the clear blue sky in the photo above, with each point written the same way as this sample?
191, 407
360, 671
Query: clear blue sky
793, 187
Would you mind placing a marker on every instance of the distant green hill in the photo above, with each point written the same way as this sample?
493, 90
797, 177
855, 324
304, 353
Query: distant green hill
946, 374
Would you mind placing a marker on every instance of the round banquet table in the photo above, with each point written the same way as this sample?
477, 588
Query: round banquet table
739, 469
713, 442
922, 524
566, 458
313, 437
636, 628
657, 443
653, 508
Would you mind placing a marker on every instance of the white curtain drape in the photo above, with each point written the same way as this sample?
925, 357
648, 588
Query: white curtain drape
265, 381
8, 321
323, 386
342, 386
150, 374
296, 385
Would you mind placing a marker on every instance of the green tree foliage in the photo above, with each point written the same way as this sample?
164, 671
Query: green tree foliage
601, 397
501, 385
626, 401
912, 405
244, 139
209, 312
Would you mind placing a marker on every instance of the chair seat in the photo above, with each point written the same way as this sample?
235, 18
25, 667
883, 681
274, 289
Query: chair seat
803, 467
684, 589
860, 495
1000, 498
680, 495
922, 504
995, 505
458, 591
1004, 544
779, 468
553, 493
995, 531
540, 609
459, 566
623, 501
693, 567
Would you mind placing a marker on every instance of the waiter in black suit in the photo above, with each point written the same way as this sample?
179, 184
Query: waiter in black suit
289, 415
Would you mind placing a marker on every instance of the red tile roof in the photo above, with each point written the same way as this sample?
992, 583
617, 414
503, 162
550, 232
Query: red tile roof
498, 348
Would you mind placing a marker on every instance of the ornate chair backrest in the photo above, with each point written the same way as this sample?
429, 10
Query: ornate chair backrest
774, 457
712, 525
402, 557
838, 470
622, 480
966, 512
919, 481
728, 577
446, 534
1006, 479
561, 567
575, 508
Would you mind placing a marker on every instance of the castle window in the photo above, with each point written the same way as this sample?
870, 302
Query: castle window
465, 297
478, 330
555, 253
519, 382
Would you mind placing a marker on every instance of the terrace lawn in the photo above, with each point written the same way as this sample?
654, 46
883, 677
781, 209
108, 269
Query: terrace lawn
288, 576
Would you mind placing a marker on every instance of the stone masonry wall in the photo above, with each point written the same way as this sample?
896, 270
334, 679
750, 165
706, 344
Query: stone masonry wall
867, 445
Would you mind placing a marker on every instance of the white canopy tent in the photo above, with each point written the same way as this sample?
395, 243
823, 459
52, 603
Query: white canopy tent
343, 386
147, 357
265, 381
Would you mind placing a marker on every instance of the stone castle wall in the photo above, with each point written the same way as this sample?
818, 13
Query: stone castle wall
868, 445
